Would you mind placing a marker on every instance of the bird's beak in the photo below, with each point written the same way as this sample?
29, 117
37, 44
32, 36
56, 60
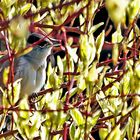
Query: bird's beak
55, 42
34, 37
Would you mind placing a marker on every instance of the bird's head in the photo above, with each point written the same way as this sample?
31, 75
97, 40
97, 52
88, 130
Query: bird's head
43, 46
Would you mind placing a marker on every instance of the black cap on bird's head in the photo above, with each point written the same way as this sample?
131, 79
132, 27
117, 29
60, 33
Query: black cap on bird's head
42, 41
42, 47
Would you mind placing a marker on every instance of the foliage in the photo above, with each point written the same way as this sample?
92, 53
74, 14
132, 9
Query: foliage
83, 96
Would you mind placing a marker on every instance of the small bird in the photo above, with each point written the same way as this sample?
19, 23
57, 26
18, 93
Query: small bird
31, 67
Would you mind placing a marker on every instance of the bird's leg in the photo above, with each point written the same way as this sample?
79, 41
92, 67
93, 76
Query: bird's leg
32, 100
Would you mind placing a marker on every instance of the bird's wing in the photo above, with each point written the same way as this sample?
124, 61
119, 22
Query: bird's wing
18, 69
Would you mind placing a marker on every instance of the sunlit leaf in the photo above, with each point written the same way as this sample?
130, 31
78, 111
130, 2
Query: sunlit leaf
95, 27
130, 128
72, 53
92, 74
133, 9
115, 54
25, 8
19, 27
5, 75
77, 116
81, 83
60, 64
22, 107
99, 43
115, 134
116, 10
103, 132
72, 131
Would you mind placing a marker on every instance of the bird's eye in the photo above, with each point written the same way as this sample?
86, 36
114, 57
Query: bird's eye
44, 44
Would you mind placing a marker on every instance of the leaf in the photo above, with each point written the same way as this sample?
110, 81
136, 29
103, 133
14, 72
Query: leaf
137, 69
44, 133
95, 117
72, 53
92, 120
72, 131
82, 20
25, 8
133, 10
5, 75
95, 27
81, 84
103, 132
115, 54
117, 36
16, 91
60, 65
8, 3
115, 134
91, 49
116, 10
77, 116
92, 74
125, 84
100, 43
72, 92
19, 27
24, 106
83, 48
130, 128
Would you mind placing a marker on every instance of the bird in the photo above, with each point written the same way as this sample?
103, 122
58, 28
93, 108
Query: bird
31, 67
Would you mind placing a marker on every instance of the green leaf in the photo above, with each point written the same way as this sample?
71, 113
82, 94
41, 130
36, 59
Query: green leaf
116, 10
115, 54
25, 8
44, 133
137, 69
83, 47
72, 92
125, 84
95, 117
92, 74
133, 9
19, 27
77, 134
24, 106
60, 65
16, 91
82, 20
91, 49
95, 27
100, 43
72, 53
130, 128
103, 132
117, 36
72, 131
115, 134
77, 116
8, 3
81, 84
92, 120
5, 75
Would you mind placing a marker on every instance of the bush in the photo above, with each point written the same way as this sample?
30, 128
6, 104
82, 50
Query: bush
86, 96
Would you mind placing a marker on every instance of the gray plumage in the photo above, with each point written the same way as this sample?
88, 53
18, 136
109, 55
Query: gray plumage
31, 67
